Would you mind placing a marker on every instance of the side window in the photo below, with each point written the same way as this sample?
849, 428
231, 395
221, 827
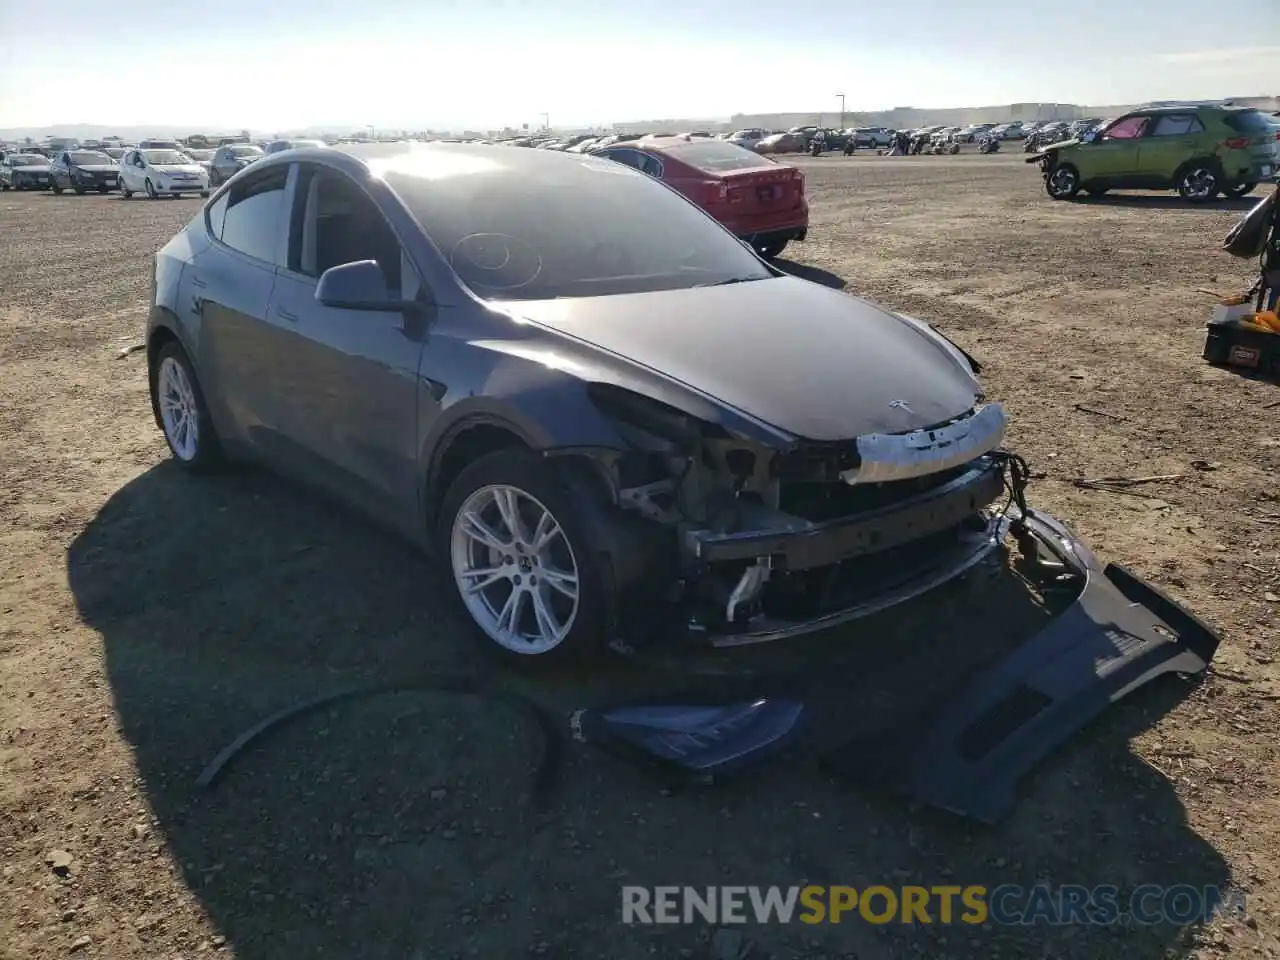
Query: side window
624, 155
1175, 125
338, 223
216, 213
254, 213
1127, 129
649, 164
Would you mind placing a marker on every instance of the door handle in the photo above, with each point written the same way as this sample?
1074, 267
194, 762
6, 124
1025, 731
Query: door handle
284, 314
197, 282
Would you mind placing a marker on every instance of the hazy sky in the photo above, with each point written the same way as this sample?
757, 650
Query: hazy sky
273, 64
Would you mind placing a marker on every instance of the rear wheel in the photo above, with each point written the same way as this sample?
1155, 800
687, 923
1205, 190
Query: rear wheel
1239, 190
769, 249
1198, 182
1062, 182
125, 191
180, 407
56, 188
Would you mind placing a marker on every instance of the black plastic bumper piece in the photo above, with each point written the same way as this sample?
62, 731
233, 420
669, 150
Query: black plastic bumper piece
1120, 634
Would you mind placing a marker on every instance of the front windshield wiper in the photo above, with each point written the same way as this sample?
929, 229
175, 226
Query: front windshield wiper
725, 283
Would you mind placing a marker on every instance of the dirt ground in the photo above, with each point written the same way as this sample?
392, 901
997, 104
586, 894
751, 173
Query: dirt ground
147, 619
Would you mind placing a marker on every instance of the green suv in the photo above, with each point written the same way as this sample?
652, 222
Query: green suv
1200, 151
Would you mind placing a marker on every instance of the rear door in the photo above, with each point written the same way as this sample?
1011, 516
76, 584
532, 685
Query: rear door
350, 377
1170, 140
228, 285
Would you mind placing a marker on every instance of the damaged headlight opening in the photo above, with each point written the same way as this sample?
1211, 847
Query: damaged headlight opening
776, 540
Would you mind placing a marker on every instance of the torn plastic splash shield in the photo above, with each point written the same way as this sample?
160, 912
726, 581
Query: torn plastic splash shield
969, 756
702, 743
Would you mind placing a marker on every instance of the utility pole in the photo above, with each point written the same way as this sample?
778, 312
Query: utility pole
841, 96
546, 122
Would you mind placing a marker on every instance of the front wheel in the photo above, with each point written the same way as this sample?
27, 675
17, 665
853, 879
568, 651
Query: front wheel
1062, 182
57, 189
522, 560
204, 194
1198, 183
151, 189
181, 410
1239, 190
125, 191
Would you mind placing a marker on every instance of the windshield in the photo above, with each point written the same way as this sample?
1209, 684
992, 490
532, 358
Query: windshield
717, 156
89, 157
165, 156
28, 160
245, 151
200, 154
571, 228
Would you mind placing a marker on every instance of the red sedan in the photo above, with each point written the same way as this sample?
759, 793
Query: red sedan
759, 199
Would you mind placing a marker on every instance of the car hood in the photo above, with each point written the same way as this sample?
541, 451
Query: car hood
31, 168
178, 167
98, 167
798, 356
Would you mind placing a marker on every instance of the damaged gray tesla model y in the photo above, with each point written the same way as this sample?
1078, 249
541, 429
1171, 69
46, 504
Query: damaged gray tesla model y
583, 393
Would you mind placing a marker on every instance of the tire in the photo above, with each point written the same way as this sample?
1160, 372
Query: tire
181, 411
204, 194
79, 191
575, 626
56, 189
770, 249
1235, 191
125, 192
1062, 182
1198, 182
151, 189
953, 149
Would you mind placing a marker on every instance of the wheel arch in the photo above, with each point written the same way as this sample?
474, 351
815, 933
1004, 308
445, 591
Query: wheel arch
163, 331
1208, 160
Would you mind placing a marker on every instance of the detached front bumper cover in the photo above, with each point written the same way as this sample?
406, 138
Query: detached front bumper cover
968, 757
969, 754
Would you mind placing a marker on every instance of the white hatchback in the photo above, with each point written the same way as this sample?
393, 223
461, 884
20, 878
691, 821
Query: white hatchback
161, 173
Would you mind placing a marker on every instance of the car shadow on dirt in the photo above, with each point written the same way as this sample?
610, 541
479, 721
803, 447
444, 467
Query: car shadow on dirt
402, 826
815, 274
1148, 201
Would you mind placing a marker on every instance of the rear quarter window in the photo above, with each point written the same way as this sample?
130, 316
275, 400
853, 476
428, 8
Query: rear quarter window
717, 156
1247, 121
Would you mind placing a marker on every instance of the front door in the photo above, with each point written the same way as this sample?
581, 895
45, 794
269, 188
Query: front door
350, 377
1113, 156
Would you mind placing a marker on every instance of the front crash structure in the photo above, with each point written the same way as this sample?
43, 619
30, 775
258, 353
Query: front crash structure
764, 544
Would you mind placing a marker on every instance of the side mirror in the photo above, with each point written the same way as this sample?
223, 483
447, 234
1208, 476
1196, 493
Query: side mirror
359, 286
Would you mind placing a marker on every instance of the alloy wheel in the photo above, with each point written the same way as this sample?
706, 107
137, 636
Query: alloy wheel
1199, 183
515, 569
1062, 182
179, 411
